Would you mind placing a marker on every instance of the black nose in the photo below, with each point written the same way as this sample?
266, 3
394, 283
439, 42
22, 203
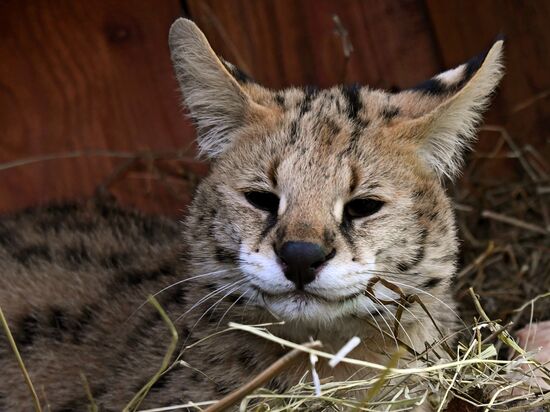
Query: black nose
302, 260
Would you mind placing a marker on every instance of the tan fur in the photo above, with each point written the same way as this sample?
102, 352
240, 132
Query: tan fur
73, 277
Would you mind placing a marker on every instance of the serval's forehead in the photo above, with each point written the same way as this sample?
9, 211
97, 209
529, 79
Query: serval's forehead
330, 136
338, 125
360, 106
335, 128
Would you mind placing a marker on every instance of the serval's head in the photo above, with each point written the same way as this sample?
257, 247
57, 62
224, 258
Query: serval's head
316, 195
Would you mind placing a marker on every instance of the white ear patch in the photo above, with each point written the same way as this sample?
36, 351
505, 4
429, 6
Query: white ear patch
452, 76
450, 128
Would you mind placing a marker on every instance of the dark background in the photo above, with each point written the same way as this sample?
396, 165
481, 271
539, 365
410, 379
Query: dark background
81, 76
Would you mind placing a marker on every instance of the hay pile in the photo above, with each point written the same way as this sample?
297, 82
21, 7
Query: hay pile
505, 228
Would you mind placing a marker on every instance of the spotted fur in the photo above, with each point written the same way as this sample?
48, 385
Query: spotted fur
74, 277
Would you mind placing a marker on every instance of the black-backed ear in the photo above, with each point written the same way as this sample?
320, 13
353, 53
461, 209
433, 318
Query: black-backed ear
217, 102
444, 112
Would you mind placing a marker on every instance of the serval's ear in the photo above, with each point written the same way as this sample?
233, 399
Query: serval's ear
211, 89
441, 114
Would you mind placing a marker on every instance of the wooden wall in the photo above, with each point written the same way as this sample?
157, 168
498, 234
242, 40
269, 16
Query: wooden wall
92, 80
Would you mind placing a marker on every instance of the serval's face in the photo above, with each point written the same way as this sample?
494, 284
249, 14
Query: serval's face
318, 198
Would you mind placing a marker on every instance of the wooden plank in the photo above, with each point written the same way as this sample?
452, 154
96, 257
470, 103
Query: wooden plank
284, 42
77, 75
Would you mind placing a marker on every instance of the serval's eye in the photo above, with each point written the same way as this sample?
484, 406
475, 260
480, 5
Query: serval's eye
358, 208
264, 201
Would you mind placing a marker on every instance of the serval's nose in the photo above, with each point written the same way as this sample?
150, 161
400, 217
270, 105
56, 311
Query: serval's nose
302, 261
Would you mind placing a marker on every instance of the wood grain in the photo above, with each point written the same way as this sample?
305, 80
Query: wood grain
97, 75
77, 75
286, 42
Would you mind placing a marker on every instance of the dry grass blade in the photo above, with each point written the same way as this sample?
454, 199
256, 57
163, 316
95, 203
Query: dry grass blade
515, 222
377, 387
138, 398
20, 362
93, 405
503, 335
273, 370
476, 365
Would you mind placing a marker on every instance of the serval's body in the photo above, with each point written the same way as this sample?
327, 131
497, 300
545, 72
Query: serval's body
312, 196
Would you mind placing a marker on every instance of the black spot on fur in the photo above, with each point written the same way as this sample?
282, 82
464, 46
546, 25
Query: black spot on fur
224, 255
27, 330
419, 194
419, 256
354, 105
110, 211
58, 322
136, 277
62, 209
162, 382
197, 377
211, 230
184, 333
32, 253
309, 94
272, 172
333, 127
328, 237
236, 299
237, 73
403, 267
116, 260
8, 240
353, 108
389, 112
346, 228
433, 215
280, 234
222, 388
76, 255
431, 86
280, 99
142, 331
176, 294
82, 226
247, 359
431, 283
148, 228
276, 385
81, 322
293, 131
269, 224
